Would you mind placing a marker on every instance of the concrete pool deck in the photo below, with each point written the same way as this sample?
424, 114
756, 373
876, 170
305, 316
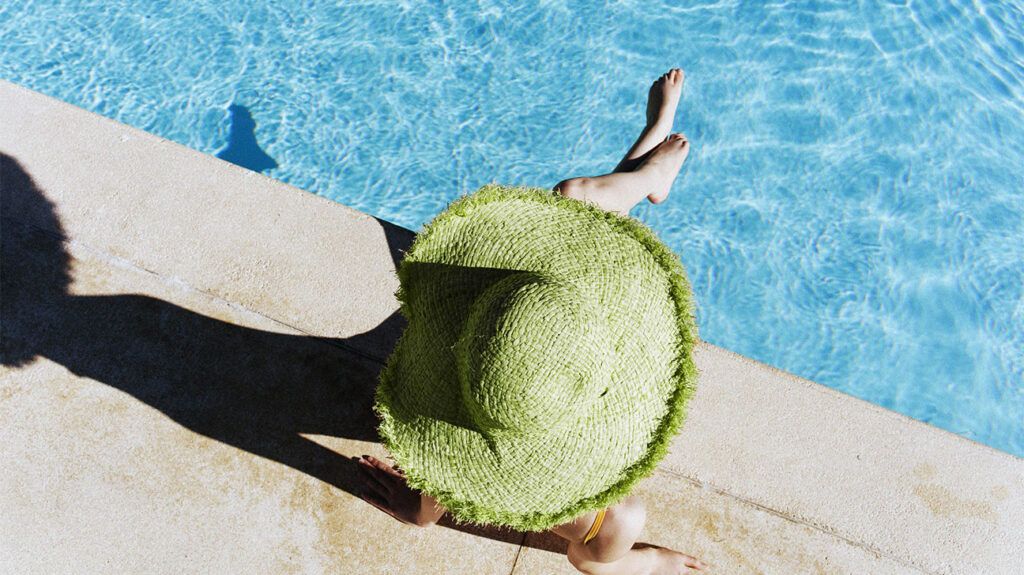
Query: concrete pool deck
189, 354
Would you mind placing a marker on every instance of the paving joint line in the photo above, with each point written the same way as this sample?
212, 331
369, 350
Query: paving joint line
123, 263
820, 528
519, 551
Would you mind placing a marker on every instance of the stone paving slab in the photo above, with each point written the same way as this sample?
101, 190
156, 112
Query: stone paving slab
911, 491
730, 535
219, 228
152, 428
871, 488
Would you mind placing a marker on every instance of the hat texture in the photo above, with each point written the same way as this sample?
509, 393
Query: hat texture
546, 362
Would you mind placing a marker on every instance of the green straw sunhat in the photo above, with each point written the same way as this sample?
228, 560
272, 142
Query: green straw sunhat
546, 361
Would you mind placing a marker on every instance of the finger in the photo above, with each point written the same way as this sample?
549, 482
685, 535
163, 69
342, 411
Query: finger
389, 469
377, 502
383, 506
374, 480
395, 472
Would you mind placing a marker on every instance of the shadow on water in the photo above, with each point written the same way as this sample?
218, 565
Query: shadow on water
242, 148
251, 389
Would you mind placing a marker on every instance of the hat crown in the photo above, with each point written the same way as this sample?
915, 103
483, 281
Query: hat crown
533, 351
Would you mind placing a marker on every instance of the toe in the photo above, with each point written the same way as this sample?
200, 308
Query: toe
693, 563
679, 143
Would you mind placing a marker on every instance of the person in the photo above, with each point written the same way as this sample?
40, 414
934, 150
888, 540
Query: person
604, 540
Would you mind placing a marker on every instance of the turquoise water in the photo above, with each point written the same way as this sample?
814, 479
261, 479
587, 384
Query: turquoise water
852, 210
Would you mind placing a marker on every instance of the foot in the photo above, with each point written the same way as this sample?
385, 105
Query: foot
662, 100
663, 561
662, 166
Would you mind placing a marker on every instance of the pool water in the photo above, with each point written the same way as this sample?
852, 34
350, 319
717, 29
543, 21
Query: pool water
852, 210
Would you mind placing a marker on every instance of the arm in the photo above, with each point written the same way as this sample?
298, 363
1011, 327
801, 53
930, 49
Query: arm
385, 488
430, 510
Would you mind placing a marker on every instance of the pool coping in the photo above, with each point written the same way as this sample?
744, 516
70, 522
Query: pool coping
923, 498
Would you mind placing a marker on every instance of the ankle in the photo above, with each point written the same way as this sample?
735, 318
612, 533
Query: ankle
662, 125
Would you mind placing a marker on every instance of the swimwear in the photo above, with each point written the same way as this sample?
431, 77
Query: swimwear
595, 527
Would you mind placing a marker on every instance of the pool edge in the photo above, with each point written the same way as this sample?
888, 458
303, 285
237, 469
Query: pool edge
149, 201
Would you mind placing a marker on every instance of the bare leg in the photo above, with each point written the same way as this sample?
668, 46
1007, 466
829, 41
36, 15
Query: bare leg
614, 550
620, 191
642, 559
651, 164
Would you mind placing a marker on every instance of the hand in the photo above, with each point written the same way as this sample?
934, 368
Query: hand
385, 488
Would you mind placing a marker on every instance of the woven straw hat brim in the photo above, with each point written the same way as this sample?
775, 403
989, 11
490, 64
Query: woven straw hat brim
534, 481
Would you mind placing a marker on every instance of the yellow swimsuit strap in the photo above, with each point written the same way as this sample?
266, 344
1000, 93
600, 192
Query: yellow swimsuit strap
595, 527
